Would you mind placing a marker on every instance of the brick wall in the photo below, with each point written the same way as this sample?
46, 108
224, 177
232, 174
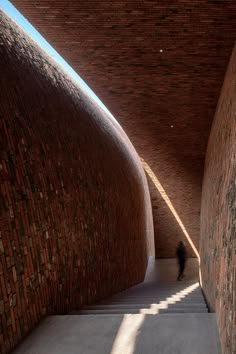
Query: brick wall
218, 214
74, 203
158, 66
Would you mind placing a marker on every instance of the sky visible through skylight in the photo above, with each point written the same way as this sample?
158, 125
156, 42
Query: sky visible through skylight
6, 6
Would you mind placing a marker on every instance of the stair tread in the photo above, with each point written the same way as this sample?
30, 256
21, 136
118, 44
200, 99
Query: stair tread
145, 305
145, 311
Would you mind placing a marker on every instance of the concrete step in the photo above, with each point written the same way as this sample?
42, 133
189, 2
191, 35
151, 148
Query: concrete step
171, 287
158, 295
142, 310
168, 284
152, 295
149, 304
157, 287
137, 306
152, 300
144, 300
159, 290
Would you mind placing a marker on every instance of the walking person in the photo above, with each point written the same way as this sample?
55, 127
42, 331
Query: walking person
181, 254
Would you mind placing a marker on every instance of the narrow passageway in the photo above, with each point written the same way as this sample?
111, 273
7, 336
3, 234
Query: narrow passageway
159, 315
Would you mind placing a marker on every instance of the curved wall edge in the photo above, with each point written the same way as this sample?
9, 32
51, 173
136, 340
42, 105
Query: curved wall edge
75, 209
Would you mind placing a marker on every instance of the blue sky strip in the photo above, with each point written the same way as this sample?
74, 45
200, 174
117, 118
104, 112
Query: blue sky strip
6, 6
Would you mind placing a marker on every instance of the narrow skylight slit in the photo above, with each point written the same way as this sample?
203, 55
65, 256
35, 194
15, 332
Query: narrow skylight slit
7, 7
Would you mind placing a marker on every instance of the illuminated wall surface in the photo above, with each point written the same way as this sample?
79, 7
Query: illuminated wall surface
74, 206
218, 215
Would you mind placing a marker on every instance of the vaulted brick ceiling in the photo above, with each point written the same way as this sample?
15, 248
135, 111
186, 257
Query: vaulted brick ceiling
158, 66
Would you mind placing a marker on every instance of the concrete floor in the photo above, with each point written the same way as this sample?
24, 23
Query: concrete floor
170, 333
124, 334
166, 270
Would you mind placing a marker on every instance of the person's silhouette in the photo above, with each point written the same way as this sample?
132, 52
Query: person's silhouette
181, 256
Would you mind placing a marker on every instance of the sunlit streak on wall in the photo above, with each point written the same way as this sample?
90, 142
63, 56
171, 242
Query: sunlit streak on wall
165, 197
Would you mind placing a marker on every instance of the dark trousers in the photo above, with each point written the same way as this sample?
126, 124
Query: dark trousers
181, 268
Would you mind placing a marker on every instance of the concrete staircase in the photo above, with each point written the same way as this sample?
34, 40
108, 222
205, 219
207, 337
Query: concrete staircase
153, 299
160, 316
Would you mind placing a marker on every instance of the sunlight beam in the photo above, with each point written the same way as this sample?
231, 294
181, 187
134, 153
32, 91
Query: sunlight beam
165, 197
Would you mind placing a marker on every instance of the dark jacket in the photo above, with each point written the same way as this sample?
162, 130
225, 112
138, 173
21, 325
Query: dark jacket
181, 252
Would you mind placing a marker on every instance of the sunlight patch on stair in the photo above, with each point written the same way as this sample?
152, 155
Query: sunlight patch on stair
131, 324
126, 336
173, 299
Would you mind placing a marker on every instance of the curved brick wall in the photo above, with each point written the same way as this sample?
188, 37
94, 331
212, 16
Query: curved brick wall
155, 64
218, 214
74, 205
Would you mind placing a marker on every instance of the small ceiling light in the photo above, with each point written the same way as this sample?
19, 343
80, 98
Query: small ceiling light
161, 50
172, 126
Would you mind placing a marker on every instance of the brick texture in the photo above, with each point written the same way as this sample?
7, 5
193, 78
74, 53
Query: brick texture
158, 66
74, 208
218, 215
